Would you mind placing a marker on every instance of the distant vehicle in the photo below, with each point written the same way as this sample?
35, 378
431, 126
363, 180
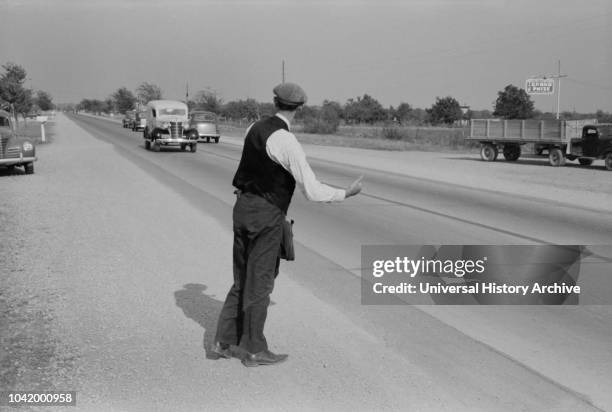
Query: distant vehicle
596, 143
204, 125
128, 120
167, 123
584, 140
140, 121
539, 149
15, 150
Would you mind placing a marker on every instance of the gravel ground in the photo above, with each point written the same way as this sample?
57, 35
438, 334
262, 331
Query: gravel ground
33, 353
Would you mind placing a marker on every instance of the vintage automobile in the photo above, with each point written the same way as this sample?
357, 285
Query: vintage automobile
128, 120
167, 124
204, 125
140, 121
15, 150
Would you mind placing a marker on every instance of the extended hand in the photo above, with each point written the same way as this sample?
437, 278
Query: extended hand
354, 187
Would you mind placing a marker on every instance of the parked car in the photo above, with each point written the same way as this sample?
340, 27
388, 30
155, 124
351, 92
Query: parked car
140, 121
167, 124
128, 120
15, 150
204, 125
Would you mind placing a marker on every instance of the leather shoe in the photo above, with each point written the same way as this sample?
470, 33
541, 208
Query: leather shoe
222, 350
265, 357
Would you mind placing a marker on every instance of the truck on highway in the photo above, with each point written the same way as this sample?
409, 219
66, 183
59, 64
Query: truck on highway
167, 125
585, 140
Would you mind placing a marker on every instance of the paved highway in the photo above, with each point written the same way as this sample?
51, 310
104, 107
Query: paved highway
532, 358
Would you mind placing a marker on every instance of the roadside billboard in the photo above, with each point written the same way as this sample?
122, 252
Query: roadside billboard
540, 86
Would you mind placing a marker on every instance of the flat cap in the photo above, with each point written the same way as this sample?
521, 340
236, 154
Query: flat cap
290, 94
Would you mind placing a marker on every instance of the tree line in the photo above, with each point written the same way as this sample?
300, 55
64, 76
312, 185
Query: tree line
360, 110
511, 103
16, 97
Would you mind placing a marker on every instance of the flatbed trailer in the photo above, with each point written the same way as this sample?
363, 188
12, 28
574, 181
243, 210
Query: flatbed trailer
584, 140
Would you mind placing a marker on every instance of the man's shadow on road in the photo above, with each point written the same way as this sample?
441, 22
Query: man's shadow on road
203, 309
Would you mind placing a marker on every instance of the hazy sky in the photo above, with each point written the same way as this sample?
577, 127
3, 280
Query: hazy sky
396, 51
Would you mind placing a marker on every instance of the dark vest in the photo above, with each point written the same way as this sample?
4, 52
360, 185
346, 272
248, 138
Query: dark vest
260, 175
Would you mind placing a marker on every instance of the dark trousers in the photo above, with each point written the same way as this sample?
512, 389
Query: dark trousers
257, 239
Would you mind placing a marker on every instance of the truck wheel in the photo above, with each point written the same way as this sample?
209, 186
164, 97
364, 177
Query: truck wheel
194, 147
585, 162
488, 152
512, 152
556, 157
147, 145
29, 168
207, 139
608, 161
216, 140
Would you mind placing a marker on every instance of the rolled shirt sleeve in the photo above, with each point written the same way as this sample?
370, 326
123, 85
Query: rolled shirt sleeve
284, 149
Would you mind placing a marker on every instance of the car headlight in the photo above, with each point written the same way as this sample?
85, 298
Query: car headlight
27, 147
165, 125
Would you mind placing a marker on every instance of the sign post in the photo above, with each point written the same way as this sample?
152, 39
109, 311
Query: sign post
540, 86
546, 85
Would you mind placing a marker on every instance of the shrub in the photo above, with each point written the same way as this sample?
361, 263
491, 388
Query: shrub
395, 133
320, 126
324, 121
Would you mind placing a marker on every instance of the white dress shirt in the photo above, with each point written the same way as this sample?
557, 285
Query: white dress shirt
284, 149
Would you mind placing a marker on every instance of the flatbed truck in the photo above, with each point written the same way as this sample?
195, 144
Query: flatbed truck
585, 140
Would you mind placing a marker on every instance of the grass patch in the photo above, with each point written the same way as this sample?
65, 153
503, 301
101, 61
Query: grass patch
396, 138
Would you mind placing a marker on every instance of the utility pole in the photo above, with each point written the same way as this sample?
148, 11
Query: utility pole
283, 71
559, 76
186, 92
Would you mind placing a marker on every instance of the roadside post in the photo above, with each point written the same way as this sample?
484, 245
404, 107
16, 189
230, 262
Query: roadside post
42, 120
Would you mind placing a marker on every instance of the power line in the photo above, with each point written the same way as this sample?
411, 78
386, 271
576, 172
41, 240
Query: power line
589, 84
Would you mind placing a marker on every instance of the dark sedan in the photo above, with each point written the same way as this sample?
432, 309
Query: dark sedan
15, 150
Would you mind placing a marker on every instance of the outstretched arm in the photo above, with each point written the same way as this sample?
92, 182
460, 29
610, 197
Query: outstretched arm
284, 149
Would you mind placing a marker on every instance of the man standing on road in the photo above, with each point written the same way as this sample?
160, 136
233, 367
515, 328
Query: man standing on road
272, 163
